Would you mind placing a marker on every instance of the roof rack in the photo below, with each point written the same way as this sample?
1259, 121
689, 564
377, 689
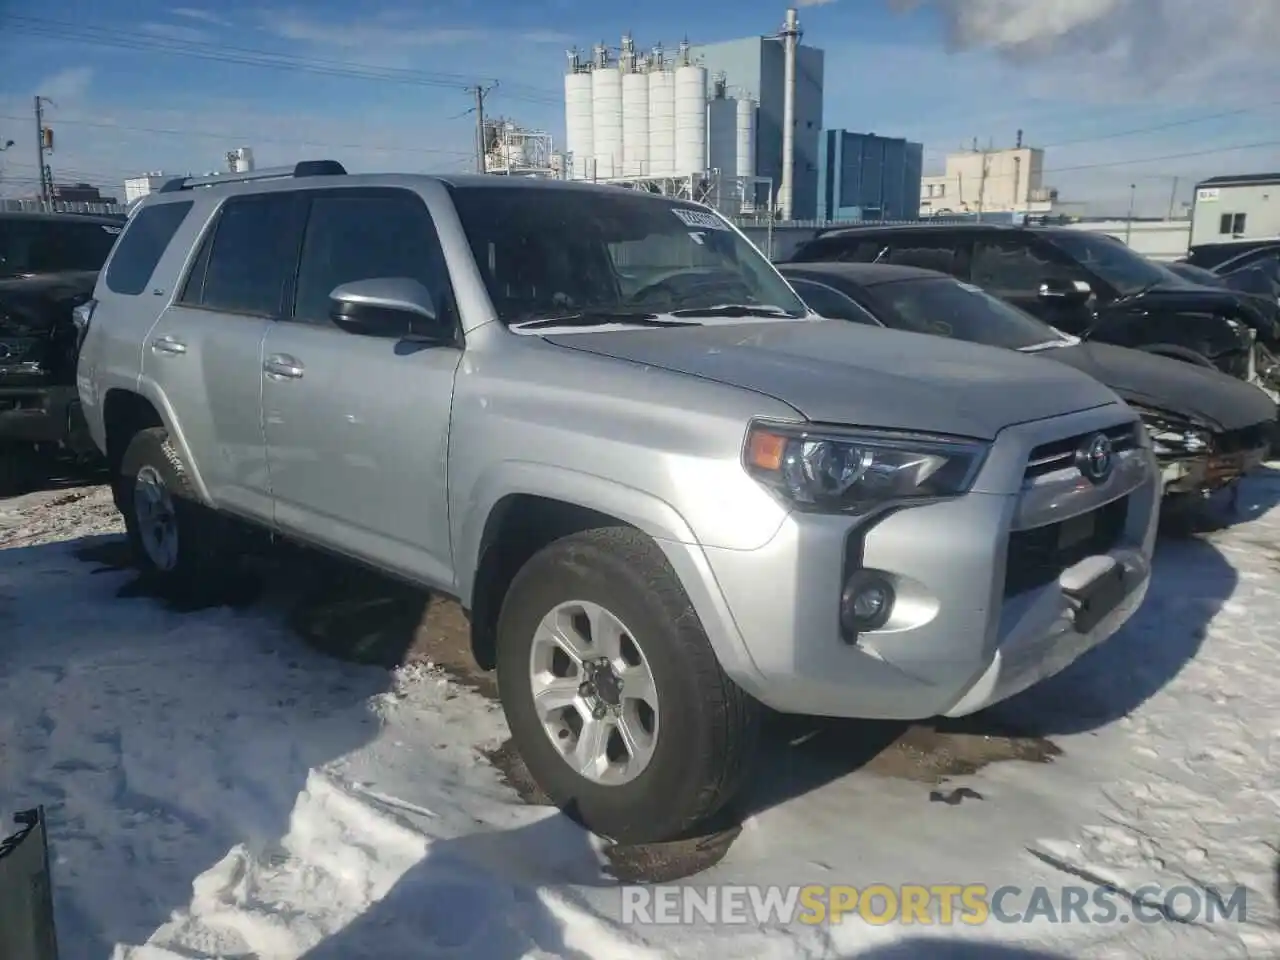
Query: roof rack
304, 168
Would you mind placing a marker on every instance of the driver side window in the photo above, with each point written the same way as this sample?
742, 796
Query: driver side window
1009, 266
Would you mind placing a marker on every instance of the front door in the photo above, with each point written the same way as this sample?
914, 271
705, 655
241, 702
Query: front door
1009, 266
357, 427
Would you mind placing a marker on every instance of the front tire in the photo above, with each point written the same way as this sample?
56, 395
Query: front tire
615, 698
179, 545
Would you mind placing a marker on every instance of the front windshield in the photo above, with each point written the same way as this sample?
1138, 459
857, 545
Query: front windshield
38, 245
944, 307
1110, 259
547, 253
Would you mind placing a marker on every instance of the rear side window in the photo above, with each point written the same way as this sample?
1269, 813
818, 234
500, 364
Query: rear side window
253, 254
843, 249
927, 253
143, 244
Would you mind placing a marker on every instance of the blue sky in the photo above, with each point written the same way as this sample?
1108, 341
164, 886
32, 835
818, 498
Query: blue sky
1100, 83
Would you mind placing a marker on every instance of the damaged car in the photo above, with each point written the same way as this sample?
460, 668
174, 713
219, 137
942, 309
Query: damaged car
1086, 284
49, 263
1207, 429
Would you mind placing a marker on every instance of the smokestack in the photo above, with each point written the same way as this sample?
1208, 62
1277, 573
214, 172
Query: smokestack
1019, 139
790, 38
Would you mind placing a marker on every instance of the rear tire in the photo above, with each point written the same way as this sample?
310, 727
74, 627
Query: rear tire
181, 547
701, 729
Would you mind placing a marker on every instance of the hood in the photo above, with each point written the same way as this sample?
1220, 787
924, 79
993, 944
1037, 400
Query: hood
835, 372
1184, 389
1255, 311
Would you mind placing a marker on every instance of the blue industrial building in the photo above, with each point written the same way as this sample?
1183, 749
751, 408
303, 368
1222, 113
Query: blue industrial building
865, 177
755, 67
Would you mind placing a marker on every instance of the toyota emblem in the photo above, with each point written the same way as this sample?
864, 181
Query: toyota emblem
1094, 458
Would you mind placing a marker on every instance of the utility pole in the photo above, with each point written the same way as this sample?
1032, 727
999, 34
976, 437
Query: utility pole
480, 92
44, 171
1173, 198
986, 167
1128, 226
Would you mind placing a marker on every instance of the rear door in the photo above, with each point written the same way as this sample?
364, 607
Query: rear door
357, 427
205, 352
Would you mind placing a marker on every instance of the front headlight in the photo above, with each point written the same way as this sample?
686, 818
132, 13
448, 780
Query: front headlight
1172, 437
854, 471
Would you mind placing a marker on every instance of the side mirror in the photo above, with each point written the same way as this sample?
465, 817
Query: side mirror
391, 307
1074, 292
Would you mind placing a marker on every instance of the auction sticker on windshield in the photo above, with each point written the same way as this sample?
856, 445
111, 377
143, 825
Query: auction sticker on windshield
700, 219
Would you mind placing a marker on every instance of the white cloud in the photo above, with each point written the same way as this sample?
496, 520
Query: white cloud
176, 31
813, 3
390, 32
204, 16
67, 86
1143, 46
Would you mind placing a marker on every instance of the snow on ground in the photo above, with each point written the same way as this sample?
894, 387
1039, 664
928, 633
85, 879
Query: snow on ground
217, 788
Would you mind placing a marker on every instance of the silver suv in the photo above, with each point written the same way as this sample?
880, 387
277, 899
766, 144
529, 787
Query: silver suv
664, 490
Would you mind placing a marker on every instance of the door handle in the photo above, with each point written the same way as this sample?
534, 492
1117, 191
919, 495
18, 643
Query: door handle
168, 344
281, 366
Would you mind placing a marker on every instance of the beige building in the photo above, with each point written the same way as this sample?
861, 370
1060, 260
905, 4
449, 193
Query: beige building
989, 181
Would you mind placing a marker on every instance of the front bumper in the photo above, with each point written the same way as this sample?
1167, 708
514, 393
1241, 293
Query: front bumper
43, 415
972, 624
1209, 473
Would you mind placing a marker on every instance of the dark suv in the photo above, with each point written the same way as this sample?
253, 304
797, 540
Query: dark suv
1086, 284
49, 263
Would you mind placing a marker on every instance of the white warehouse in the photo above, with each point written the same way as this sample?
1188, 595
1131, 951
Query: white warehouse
646, 118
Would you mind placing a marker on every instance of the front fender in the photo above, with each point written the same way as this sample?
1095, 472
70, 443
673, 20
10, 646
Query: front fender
654, 516
644, 511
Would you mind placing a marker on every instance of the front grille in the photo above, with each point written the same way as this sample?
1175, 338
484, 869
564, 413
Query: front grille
1059, 454
1038, 556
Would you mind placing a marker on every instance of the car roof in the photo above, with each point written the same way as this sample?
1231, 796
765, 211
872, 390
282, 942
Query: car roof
112, 219
272, 181
863, 274
922, 227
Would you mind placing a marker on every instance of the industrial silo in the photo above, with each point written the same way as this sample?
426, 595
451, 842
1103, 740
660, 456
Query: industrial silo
691, 119
745, 152
635, 124
606, 113
722, 129
578, 121
662, 118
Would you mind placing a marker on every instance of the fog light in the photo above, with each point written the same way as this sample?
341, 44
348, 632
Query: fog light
865, 603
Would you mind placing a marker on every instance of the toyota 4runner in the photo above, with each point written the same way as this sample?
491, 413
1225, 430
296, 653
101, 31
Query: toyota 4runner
663, 490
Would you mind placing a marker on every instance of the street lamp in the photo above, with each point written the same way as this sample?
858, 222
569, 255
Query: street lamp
1128, 227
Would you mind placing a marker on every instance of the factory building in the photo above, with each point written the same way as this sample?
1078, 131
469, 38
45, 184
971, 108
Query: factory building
1236, 208
989, 181
710, 123
865, 177
757, 68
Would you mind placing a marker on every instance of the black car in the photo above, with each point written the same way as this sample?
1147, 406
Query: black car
1208, 429
1087, 284
49, 263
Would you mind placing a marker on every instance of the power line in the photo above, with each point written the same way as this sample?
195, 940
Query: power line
105, 36
223, 135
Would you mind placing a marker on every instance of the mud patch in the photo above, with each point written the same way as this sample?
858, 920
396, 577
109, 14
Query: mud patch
362, 617
664, 862
934, 752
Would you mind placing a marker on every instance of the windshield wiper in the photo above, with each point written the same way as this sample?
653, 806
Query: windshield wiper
597, 318
734, 310
1046, 345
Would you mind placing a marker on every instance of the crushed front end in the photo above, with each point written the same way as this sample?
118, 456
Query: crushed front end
1195, 458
